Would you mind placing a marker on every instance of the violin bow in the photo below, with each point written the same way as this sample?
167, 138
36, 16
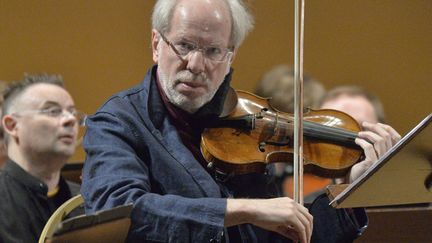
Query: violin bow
298, 99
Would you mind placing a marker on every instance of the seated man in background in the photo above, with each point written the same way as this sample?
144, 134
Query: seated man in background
3, 154
40, 123
278, 83
356, 102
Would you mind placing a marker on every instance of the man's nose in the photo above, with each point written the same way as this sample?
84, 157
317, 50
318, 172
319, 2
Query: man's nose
196, 62
68, 119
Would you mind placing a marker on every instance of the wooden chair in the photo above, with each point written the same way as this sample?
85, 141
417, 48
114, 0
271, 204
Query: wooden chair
59, 215
110, 225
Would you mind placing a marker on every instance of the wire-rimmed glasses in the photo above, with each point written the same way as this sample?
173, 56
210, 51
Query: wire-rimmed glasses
57, 112
212, 53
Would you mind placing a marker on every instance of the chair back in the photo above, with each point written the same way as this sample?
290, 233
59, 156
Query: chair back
59, 215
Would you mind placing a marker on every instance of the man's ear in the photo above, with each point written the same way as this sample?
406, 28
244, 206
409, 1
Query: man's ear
154, 43
230, 61
10, 125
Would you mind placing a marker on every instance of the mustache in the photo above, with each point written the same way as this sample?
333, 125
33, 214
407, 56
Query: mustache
187, 76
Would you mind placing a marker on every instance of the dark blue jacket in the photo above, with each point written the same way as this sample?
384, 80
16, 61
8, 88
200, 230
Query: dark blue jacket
135, 155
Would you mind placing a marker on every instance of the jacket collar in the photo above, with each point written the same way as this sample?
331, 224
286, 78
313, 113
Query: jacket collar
29, 181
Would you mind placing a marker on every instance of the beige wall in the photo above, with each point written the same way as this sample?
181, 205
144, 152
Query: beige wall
101, 47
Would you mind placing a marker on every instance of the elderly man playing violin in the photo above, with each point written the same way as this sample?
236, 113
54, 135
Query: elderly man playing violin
142, 145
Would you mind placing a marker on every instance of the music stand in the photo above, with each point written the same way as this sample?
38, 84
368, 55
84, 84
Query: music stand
402, 176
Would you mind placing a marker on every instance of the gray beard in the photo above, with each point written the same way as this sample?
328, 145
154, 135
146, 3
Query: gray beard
179, 100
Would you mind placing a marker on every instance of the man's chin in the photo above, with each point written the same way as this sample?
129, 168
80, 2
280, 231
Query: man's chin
66, 151
191, 106
190, 94
189, 101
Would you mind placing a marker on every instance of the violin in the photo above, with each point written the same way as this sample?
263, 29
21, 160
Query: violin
253, 134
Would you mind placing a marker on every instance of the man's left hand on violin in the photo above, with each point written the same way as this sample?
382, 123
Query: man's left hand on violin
376, 139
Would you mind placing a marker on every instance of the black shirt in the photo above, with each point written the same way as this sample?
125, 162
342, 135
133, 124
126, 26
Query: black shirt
24, 204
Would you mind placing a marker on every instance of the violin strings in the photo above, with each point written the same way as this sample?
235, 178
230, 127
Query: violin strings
320, 131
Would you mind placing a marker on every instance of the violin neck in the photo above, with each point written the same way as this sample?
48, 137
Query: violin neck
330, 134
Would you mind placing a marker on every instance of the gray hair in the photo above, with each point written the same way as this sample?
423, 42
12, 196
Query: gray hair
241, 19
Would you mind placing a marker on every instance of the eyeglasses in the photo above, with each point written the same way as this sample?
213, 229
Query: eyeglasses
57, 112
212, 53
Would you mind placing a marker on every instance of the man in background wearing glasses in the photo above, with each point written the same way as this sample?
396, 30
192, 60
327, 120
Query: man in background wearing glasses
40, 125
143, 144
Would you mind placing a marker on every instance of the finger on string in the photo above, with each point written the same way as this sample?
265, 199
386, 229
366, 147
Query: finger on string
377, 141
382, 131
369, 151
389, 134
393, 133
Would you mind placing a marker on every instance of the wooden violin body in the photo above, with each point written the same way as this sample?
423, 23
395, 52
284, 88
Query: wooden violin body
255, 134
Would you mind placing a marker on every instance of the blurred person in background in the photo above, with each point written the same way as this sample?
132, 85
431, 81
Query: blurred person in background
356, 101
278, 85
40, 125
3, 153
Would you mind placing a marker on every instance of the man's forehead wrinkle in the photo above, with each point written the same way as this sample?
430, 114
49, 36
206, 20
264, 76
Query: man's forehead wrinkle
192, 23
51, 103
186, 13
